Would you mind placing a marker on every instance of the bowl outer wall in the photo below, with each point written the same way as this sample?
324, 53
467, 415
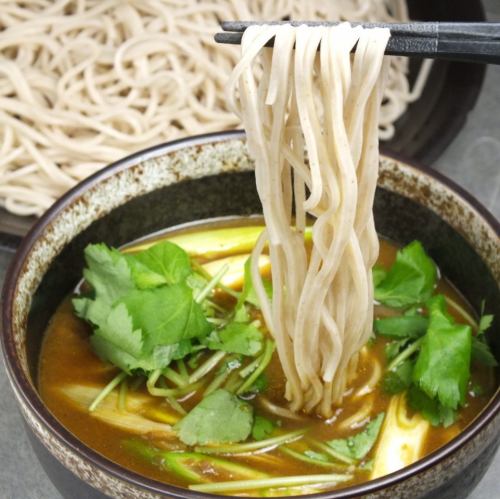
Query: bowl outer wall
60, 440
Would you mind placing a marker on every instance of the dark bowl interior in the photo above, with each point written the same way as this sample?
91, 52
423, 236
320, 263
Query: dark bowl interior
430, 124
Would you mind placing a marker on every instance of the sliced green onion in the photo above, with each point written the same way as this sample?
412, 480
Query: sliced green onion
326, 448
268, 444
201, 270
407, 352
107, 390
216, 306
122, 397
250, 368
217, 382
174, 377
207, 366
175, 405
306, 459
211, 284
266, 358
264, 483
181, 365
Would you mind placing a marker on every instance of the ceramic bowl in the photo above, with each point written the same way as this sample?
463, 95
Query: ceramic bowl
211, 176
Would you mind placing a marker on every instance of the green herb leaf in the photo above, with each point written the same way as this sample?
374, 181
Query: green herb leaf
236, 337
442, 369
406, 326
485, 323
430, 408
163, 263
248, 293
262, 428
481, 352
399, 379
259, 385
379, 274
410, 280
109, 275
221, 417
359, 445
166, 315
393, 348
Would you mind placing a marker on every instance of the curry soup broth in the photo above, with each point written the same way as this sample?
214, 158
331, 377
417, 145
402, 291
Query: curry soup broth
67, 359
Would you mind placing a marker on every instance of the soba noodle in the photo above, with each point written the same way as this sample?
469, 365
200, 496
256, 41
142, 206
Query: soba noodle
85, 82
312, 122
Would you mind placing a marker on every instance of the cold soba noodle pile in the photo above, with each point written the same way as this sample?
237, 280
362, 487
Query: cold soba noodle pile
312, 122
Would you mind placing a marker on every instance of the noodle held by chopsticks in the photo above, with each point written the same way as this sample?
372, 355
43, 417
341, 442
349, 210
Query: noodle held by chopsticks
311, 119
84, 83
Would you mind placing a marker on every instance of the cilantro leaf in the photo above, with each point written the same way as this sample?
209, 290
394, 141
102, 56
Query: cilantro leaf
163, 263
248, 293
220, 417
481, 352
259, 385
109, 275
442, 369
406, 326
378, 274
399, 379
237, 337
393, 348
166, 315
359, 445
262, 428
485, 322
430, 408
410, 280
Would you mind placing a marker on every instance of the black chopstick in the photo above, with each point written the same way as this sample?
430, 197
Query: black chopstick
468, 42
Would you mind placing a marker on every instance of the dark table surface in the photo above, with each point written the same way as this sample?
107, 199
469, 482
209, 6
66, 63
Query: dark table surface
472, 160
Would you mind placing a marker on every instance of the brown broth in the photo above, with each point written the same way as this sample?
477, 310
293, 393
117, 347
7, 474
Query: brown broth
67, 359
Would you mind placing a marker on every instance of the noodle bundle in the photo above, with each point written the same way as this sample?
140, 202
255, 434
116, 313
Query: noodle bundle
312, 124
86, 82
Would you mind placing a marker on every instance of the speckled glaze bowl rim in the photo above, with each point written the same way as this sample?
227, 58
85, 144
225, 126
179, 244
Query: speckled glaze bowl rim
30, 396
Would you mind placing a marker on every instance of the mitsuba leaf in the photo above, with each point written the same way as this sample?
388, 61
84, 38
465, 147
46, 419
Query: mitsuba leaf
220, 417
442, 368
485, 323
410, 280
166, 315
399, 379
262, 428
406, 326
481, 352
260, 385
110, 277
393, 348
430, 408
248, 293
359, 445
378, 274
237, 337
163, 263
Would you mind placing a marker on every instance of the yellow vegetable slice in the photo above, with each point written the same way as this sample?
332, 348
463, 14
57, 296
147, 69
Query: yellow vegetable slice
234, 276
402, 439
212, 243
131, 420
